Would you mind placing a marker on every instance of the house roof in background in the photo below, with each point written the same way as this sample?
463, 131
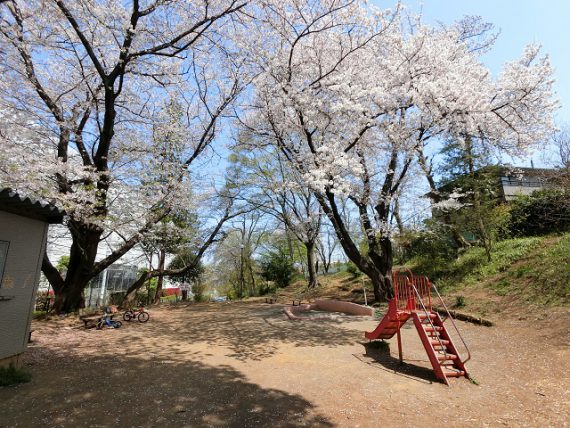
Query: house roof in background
14, 203
529, 172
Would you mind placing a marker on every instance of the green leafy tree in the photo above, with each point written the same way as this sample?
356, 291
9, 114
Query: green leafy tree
542, 212
185, 257
62, 264
276, 266
467, 170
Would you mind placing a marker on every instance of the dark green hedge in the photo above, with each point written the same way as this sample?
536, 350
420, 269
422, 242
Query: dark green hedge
545, 211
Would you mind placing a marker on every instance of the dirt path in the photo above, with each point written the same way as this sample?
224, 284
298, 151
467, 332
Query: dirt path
244, 365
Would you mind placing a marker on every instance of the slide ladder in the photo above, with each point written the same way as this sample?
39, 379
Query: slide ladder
413, 300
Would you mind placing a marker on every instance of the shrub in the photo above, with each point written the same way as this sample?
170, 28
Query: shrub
39, 315
413, 244
352, 269
459, 301
276, 266
198, 289
232, 294
11, 376
168, 299
117, 298
542, 212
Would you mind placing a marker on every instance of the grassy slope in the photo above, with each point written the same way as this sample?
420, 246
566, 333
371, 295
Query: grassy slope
524, 270
341, 285
533, 270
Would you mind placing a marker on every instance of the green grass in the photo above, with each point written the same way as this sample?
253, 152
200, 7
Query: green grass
545, 278
472, 266
12, 376
39, 315
536, 269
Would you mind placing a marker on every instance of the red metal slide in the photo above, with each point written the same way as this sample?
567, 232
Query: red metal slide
413, 300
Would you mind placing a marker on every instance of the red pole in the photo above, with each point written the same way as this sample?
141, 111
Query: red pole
400, 354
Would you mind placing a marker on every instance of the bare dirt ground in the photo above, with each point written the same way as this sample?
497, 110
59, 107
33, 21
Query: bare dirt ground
244, 364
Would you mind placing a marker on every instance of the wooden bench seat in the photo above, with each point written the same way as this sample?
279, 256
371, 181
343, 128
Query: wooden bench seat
92, 320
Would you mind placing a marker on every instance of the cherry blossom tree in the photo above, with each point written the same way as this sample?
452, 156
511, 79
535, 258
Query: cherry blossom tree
277, 190
350, 95
92, 82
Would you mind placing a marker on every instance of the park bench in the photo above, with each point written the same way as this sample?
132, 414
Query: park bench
91, 321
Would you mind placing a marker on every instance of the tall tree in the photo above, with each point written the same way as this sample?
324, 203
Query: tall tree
349, 96
93, 79
326, 247
278, 191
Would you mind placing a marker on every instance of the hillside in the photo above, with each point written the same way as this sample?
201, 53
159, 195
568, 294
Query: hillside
523, 272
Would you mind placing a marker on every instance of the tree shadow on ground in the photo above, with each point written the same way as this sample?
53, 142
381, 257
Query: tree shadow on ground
105, 390
381, 356
250, 331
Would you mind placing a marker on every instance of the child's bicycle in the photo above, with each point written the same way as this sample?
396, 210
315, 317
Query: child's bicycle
106, 320
140, 314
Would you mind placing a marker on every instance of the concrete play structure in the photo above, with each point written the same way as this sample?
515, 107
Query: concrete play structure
303, 312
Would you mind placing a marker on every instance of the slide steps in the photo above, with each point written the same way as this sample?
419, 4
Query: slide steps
437, 342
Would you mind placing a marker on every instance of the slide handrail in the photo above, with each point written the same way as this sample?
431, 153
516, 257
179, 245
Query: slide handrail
453, 323
410, 289
427, 313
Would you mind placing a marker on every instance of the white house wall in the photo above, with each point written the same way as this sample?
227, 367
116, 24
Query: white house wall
26, 239
512, 192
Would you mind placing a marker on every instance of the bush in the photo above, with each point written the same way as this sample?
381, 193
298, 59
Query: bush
168, 299
436, 244
459, 301
12, 376
198, 289
232, 294
542, 212
352, 269
37, 315
276, 266
117, 298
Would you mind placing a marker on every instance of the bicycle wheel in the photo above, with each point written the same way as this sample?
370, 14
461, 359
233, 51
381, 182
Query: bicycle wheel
143, 317
127, 316
117, 324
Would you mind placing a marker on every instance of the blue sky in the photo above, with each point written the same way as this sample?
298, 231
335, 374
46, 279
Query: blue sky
520, 22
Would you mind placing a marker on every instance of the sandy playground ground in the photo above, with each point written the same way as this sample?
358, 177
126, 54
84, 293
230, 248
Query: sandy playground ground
245, 365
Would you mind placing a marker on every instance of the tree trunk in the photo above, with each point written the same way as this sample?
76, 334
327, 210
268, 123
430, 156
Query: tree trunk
252, 277
381, 278
241, 275
378, 268
129, 299
326, 267
386, 267
377, 262
160, 281
69, 293
396, 215
70, 298
310, 247
483, 232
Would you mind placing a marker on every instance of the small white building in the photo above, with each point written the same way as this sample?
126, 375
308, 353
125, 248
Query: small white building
23, 233
520, 181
